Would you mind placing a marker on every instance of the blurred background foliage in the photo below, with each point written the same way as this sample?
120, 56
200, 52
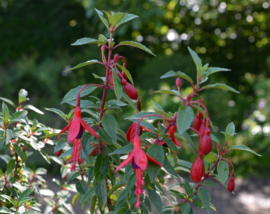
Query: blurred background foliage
35, 38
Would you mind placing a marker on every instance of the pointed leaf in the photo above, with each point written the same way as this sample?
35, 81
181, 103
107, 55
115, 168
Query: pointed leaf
190, 143
211, 157
84, 41
104, 20
11, 200
223, 171
18, 150
5, 113
243, 147
89, 62
205, 198
177, 74
33, 108
213, 70
7, 101
126, 18
101, 192
156, 152
109, 123
116, 18
72, 94
197, 61
24, 195
155, 200
57, 111
118, 87
101, 167
184, 119
137, 45
185, 208
221, 86
130, 102
230, 129
17, 116
123, 150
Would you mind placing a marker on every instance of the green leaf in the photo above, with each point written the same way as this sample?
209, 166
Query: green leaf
184, 163
213, 70
89, 62
72, 175
243, 147
214, 138
177, 74
173, 92
8, 135
190, 143
118, 87
116, 187
5, 113
185, 208
101, 192
66, 153
45, 156
23, 96
11, 200
85, 41
98, 77
57, 111
100, 14
155, 200
8, 101
104, 136
123, 150
205, 198
126, 72
141, 114
60, 144
93, 204
167, 166
197, 61
103, 38
116, 18
101, 167
72, 94
87, 195
156, 152
184, 119
10, 166
4, 210
130, 183
137, 45
18, 150
23, 195
81, 187
222, 86
211, 157
33, 108
223, 171
17, 116
109, 123
125, 19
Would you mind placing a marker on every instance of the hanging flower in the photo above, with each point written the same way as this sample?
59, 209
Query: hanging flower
139, 161
75, 131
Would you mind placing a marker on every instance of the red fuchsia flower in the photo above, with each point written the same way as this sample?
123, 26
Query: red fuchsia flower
131, 132
198, 121
75, 131
171, 135
139, 161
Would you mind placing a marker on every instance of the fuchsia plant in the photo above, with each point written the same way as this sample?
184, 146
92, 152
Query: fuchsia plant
152, 149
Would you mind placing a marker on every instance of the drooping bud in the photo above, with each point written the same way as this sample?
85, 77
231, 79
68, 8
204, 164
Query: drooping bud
124, 81
197, 169
94, 152
231, 185
171, 135
116, 58
189, 97
58, 153
110, 78
130, 91
198, 121
103, 48
206, 142
178, 82
202, 128
124, 75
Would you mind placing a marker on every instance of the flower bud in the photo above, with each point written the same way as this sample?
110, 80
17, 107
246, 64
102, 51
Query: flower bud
197, 170
58, 153
206, 142
198, 121
124, 81
202, 128
231, 184
178, 82
116, 58
123, 74
103, 47
130, 91
189, 97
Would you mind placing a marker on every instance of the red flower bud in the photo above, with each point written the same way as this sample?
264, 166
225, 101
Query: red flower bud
231, 184
123, 74
197, 170
198, 121
116, 58
58, 153
130, 91
171, 135
189, 97
94, 152
178, 82
206, 142
103, 47
202, 128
